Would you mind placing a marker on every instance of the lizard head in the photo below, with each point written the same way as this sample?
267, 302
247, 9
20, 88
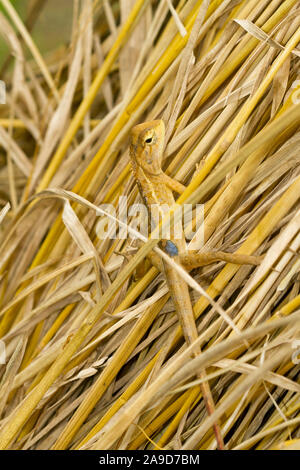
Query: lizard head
146, 146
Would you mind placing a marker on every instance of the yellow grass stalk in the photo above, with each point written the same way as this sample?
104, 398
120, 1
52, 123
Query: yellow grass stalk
231, 132
131, 296
292, 424
293, 444
267, 224
129, 392
175, 47
108, 374
275, 421
90, 96
191, 399
270, 199
53, 233
177, 408
19, 124
235, 59
289, 307
15, 123
31, 46
110, 433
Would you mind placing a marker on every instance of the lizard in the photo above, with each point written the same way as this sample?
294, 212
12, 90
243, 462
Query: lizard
146, 152
156, 189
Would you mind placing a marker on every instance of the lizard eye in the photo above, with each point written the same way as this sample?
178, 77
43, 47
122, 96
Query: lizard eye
149, 140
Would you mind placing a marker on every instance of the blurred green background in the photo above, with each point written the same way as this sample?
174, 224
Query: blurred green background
52, 28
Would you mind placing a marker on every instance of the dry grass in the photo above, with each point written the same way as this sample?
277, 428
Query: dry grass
95, 355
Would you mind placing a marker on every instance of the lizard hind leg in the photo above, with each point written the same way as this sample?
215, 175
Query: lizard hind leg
191, 259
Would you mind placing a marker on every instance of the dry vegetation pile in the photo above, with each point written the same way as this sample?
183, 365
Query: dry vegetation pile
95, 357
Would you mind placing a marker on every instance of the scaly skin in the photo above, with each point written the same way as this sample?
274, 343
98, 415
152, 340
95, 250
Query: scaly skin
146, 151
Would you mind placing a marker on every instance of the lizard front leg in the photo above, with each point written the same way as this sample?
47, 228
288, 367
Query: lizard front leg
174, 185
